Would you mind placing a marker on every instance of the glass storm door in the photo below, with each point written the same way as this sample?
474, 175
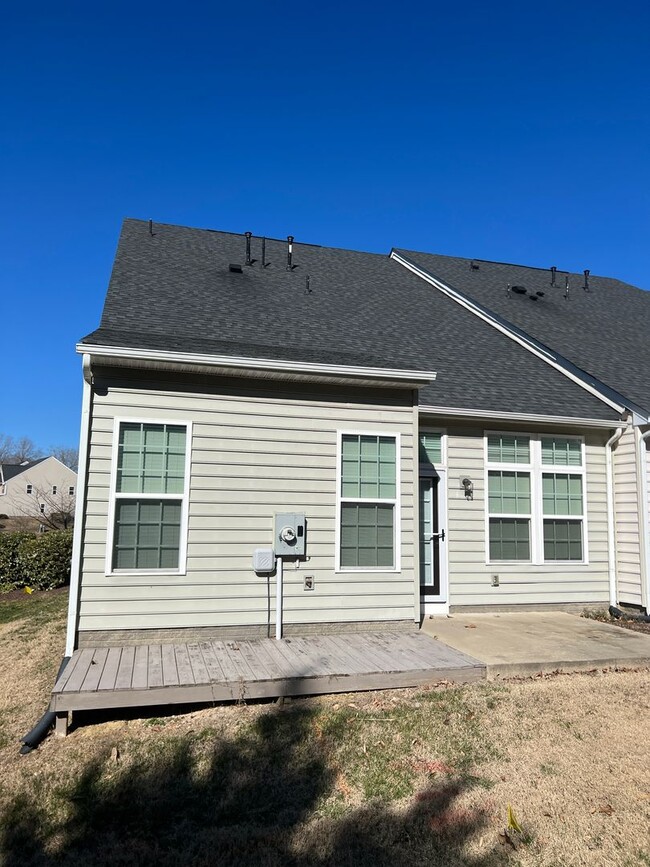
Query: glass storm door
431, 537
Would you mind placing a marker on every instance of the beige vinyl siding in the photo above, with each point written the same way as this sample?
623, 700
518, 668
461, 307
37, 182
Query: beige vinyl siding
626, 512
256, 450
470, 576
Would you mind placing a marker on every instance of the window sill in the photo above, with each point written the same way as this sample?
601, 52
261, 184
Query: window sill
136, 573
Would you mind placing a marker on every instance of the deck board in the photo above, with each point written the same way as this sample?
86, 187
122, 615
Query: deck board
159, 674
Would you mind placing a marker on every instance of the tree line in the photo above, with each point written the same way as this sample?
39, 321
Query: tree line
18, 450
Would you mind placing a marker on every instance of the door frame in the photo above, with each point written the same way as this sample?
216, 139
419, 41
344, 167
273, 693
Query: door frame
437, 604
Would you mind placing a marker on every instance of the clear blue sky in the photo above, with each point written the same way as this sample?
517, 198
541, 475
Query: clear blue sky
510, 131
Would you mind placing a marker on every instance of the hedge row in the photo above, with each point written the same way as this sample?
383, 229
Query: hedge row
41, 561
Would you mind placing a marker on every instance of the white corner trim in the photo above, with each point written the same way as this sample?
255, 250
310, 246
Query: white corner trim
611, 517
80, 509
424, 376
528, 343
459, 412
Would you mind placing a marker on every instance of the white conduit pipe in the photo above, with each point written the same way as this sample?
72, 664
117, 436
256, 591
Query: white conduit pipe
278, 598
611, 535
644, 517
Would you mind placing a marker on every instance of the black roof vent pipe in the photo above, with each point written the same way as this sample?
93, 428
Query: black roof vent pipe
263, 252
248, 248
553, 273
566, 287
586, 286
289, 252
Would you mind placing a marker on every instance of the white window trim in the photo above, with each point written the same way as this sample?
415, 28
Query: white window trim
71, 490
29, 489
396, 503
185, 497
55, 488
536, 468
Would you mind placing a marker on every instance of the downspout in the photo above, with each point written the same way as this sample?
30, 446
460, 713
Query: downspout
611, 533
644, 517
80, 507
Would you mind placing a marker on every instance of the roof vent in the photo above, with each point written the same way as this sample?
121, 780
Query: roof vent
566, 287
519, 290
289, 252
553, 273
235, 268
539, 294
474, 266
264, 252
586, 286
249, 261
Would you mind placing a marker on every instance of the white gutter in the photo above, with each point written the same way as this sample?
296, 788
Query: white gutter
80, 508
644, 517
242, 362
517, 417
611, 529
529, 344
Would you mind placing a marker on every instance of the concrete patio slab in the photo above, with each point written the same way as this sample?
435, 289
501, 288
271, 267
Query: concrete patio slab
512, 644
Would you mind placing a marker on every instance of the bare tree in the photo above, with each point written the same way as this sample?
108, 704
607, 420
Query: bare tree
67, 455
16, 451
52, 506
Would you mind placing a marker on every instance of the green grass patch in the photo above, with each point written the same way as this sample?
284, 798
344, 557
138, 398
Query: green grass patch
35, 610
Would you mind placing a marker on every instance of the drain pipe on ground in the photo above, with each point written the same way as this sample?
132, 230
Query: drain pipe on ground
33, 738
611, 532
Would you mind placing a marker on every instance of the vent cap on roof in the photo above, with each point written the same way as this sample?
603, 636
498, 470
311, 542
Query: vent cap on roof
519, 290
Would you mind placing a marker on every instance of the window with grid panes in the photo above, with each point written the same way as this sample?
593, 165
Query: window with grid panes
562, 498
368, 492
150, 487
550, 526
509, 497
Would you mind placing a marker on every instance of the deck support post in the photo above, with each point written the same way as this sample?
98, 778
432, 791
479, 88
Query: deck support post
61, 723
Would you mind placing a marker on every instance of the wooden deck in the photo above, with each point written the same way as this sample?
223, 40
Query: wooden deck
159, 674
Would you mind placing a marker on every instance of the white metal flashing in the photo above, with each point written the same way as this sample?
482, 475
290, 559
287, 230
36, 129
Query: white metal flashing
644, 516
458, 412
528, 343
246, 363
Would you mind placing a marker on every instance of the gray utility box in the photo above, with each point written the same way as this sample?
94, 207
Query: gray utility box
290, 534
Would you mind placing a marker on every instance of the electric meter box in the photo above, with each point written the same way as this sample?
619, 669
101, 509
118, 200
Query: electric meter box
264, 560
290, 533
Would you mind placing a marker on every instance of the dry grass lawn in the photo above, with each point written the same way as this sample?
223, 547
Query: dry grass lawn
397, 777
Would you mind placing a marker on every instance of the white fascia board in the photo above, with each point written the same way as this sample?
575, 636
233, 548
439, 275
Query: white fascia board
422, 376
527, 342
518, 417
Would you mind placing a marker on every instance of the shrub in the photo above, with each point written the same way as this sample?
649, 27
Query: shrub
41, 562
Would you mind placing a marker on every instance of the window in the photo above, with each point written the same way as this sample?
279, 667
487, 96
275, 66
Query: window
29, 489
54, 490
368, 502
562, 498
535, 498
3, 490
150, 497
42, 506
71, 491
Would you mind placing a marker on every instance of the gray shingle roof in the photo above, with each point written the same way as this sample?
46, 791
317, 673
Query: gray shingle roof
10, 471
604, 331
174, 291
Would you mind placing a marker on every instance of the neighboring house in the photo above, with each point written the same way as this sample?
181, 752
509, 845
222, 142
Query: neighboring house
44, 486
459, 434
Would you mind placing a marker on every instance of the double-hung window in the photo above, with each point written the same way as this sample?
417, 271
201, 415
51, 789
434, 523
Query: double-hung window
535, 498
509, 497
150, 497
368, 501
562, 498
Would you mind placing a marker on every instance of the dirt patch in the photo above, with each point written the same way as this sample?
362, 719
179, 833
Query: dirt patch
624, 622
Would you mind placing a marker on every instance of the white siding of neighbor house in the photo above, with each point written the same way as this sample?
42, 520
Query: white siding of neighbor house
470, 576
626, 511
255, 451
16, 502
